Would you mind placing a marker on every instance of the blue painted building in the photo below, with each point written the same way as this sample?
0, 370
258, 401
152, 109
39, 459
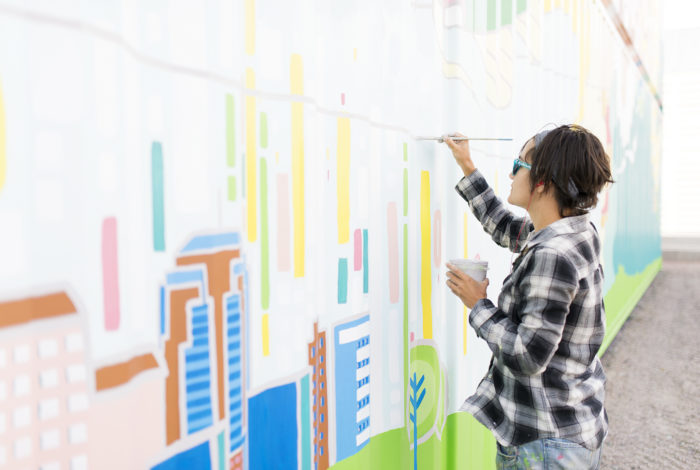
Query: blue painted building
352, 397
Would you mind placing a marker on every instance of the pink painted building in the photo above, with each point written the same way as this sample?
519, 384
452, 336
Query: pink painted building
44, 399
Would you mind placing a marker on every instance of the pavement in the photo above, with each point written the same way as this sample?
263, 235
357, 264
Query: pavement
653, 373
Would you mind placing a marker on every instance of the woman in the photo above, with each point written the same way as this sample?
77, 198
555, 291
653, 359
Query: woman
543, 395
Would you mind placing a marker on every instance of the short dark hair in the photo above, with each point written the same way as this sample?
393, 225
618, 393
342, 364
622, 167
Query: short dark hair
572, 161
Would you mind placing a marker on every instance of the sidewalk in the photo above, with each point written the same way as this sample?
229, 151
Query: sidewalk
653, 371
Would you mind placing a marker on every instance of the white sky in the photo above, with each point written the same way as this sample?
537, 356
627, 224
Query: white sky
681, 14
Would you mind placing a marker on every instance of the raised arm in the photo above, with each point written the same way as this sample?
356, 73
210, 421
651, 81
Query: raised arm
503, 226
497, 220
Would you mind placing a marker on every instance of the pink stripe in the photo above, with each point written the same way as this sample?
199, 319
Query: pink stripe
283, 230
110, 273
358, 249
393, 240
437, 234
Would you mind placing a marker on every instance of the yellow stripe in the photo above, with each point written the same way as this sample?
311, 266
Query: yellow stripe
297, 88
250, 158
425, 277
266, 334
249, 26
547, 6
343, 171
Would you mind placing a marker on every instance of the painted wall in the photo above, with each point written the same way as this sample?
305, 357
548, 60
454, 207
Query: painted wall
222, 247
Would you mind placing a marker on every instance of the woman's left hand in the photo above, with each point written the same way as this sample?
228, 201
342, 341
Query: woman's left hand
465, 287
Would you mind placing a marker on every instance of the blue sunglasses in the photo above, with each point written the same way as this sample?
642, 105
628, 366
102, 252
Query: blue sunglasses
517, 163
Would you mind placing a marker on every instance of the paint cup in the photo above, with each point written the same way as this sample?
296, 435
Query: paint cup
474, 268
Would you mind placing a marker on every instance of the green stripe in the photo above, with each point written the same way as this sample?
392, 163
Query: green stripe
520, 6
231, 188
506, 12
623, 296
491, 15
263, 130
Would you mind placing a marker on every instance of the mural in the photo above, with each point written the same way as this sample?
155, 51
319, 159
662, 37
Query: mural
222, 246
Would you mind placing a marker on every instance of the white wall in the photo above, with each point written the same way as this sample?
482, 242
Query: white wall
680, 167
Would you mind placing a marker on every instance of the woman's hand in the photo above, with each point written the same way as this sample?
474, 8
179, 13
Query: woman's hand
460, 150
465, 287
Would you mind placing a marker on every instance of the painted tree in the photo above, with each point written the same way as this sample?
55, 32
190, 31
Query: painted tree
416, 400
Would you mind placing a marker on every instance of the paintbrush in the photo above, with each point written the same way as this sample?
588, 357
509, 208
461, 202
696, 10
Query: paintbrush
441, 139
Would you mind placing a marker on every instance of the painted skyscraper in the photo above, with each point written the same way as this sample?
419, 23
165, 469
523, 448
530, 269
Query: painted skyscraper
317, 359
352, 371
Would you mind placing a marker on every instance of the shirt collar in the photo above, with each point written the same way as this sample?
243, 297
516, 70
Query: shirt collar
573, 224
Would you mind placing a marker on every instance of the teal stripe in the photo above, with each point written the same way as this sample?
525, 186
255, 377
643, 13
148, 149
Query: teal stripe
305, 426
222, 461
157, 188
342, 280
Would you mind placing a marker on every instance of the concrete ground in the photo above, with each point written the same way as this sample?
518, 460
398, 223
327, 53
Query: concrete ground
653, 371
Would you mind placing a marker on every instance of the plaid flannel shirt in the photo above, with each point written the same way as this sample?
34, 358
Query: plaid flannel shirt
545, 379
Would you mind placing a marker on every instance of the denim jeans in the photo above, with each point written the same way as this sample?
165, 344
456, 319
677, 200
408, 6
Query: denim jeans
547, 454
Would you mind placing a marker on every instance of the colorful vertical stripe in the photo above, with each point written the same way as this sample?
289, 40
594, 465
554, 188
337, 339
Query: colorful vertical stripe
251, 154
343, 175
110, 274
506, 12
263, 130
264, 239
490, 15
425, 270
297, 88
230, 131
231, 188
305, 413
342, 280
283, 223
266, 334
520, 6
249, 26
222, 451
158, 197
392, 228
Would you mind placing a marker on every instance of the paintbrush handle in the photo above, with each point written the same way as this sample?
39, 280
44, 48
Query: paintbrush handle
441, 139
